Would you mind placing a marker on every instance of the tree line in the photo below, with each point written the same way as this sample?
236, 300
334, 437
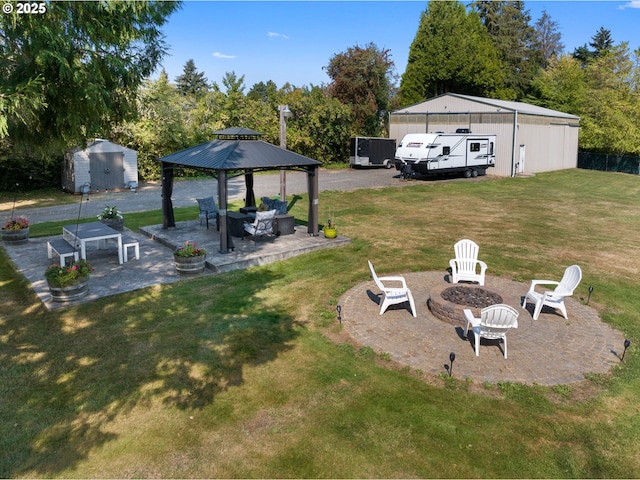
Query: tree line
83, 71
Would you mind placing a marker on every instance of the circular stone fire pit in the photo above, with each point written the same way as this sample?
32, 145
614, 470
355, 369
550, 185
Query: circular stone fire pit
448, 302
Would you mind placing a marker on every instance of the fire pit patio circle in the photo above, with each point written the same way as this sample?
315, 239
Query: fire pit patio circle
465, 296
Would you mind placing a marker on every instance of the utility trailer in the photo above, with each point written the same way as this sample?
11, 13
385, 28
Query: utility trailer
372, 152
446, 153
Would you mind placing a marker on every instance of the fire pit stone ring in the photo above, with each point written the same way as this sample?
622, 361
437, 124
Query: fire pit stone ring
448, 302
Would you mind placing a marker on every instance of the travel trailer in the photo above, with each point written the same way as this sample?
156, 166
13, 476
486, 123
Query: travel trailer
446, 153
372, 152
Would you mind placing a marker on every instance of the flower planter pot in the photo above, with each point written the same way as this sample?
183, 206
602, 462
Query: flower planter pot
15, 237
115, 223
330, 233
190, 265
72, 292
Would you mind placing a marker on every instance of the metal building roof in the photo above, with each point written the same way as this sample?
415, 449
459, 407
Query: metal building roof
484, 104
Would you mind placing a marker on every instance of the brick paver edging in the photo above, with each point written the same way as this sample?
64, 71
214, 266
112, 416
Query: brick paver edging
548, 351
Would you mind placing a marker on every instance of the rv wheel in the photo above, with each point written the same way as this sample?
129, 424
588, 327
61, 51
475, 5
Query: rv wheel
474, 173
467, 173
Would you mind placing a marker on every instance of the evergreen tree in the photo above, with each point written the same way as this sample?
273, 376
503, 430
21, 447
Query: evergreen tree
451, 52
363, 77
600, 43
83, 62
192, 82
263, 91
508, 25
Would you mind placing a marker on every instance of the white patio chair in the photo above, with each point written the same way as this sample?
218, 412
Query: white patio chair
261, 226
494, 323
399, 293
465, 266
554, 299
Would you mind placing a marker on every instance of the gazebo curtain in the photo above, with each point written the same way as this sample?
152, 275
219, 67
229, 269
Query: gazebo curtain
168, 220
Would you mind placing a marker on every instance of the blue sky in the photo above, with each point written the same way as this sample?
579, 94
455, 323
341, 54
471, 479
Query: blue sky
291, 41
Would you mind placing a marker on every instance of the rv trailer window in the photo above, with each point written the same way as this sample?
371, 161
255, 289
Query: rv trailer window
474, 147
446, 150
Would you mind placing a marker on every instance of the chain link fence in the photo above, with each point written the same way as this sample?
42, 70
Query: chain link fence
609, 163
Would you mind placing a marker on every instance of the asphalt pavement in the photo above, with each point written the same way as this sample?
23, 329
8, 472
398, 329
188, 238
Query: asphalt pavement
148, 195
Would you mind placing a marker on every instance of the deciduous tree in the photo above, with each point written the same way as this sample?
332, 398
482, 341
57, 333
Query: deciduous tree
363, 78
548, 38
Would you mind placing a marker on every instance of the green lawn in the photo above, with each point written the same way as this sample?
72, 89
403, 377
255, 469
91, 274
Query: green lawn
247, 374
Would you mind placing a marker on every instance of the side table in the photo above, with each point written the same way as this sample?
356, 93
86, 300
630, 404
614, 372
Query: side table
236, 222
248, 210
284, 224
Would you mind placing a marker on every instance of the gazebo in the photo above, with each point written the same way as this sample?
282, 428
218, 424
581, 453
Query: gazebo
237, 151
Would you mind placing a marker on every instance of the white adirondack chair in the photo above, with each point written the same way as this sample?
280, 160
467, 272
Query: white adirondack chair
465, 266
555, 299
494, 323
399, 293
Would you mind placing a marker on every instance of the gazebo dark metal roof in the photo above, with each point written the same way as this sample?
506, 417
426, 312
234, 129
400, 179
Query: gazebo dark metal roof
237, 149
238, 155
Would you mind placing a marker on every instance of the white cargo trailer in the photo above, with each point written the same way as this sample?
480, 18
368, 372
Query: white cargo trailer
446, 153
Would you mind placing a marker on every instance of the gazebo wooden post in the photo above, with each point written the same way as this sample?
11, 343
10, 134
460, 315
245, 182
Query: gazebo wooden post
222, 210
312, 187
168, 220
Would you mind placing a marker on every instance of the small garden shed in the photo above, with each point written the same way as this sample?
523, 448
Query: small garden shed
102, 165
548, 137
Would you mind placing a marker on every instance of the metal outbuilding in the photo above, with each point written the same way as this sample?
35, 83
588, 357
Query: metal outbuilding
530, 139
102, 165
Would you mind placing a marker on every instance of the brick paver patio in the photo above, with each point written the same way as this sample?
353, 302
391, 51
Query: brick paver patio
548, 351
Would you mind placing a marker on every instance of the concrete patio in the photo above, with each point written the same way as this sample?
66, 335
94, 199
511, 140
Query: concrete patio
155, 266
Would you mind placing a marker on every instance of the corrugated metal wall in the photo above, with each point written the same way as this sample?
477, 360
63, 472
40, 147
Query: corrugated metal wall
550, 143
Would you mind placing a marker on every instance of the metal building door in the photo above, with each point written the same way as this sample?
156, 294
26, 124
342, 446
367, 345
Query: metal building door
106, 170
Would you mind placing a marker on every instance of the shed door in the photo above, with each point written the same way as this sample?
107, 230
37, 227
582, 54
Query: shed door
106, 170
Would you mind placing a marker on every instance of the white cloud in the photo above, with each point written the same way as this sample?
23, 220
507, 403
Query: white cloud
222, 55
275, 34
631, 4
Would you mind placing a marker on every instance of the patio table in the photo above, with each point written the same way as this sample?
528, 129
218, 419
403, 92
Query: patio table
82, 233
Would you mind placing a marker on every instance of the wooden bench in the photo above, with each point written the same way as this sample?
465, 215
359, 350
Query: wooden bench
130, 242
63, 249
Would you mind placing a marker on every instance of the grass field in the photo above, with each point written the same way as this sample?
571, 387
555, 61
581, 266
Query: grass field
243, 374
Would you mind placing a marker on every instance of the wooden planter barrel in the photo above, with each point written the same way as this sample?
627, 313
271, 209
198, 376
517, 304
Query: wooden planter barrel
70, 293
190, 265
15, 237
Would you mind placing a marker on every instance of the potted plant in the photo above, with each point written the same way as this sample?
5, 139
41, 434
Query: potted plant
330, 230
113, 217
69, 282
16, 231
189, 258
